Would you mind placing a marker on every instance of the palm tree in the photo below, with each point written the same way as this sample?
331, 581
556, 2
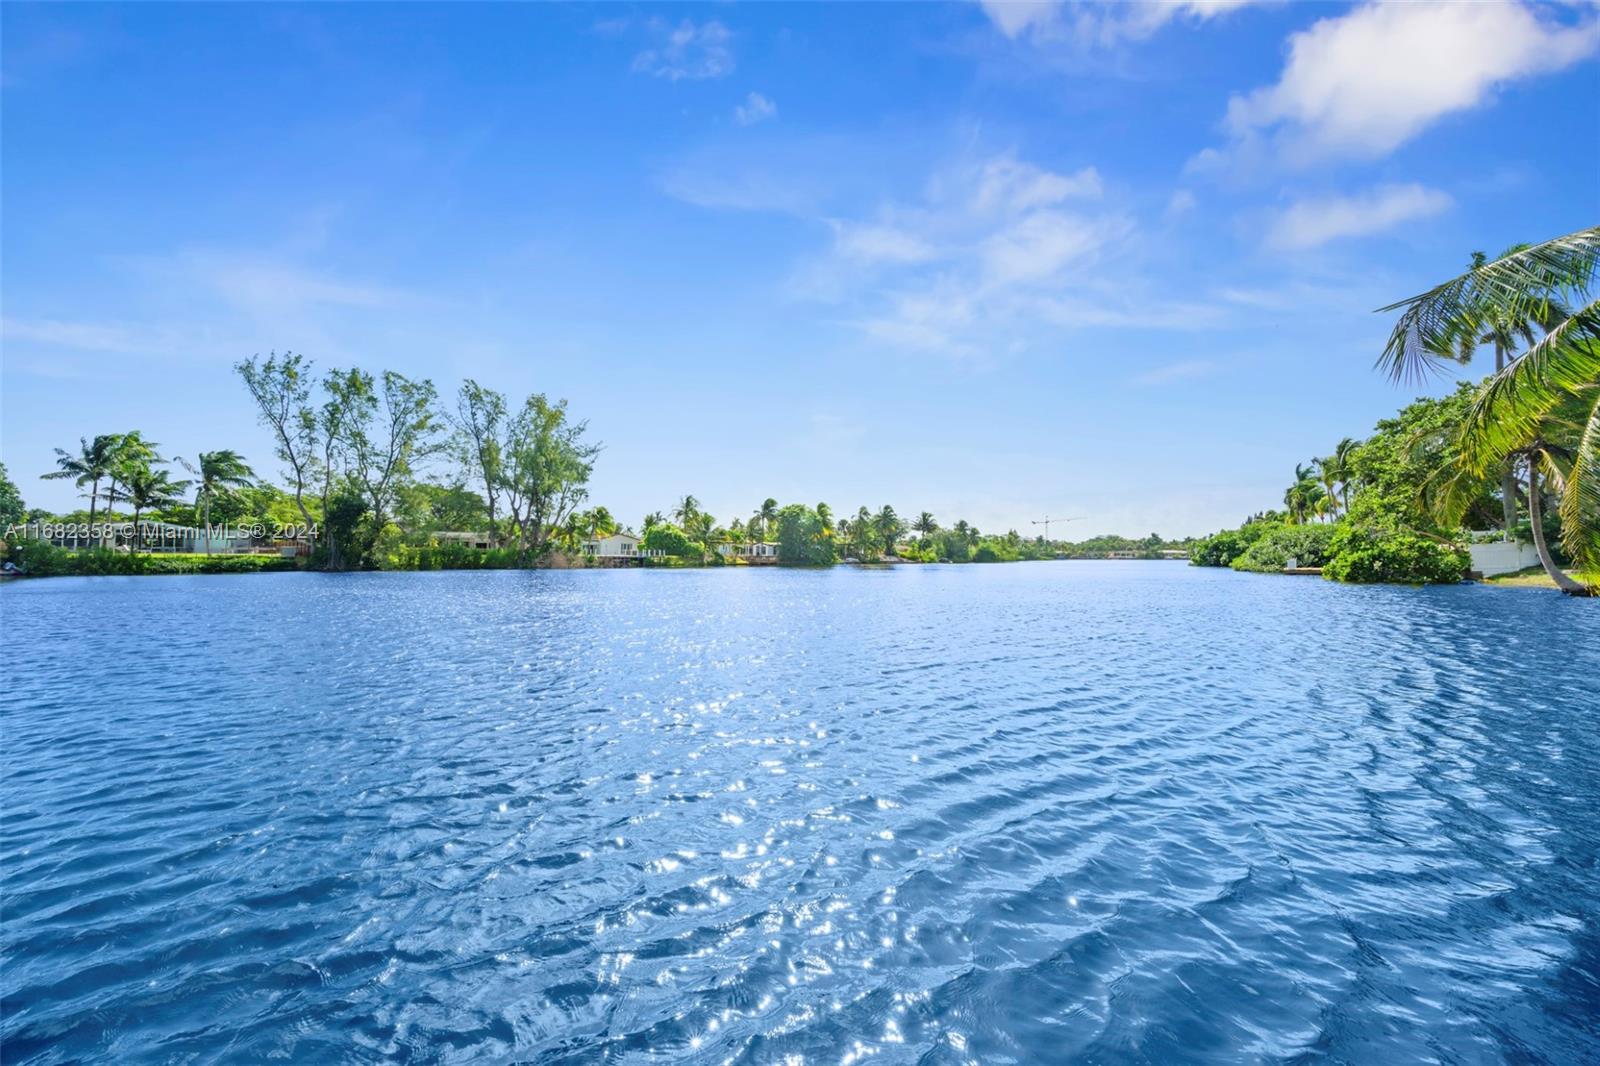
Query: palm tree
768, 513
219, 472
654, 518
131, 454
1343, 460
1542, 406
925, 525
1328, 475
1305, 496
90, 466
149, 489
687, 508
889, 527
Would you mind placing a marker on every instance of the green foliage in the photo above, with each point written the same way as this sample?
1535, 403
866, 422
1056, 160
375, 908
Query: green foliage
1307, 545
1365, 553
669, 538
39, 558
12, 510
433, 555
1221, 549
803, 538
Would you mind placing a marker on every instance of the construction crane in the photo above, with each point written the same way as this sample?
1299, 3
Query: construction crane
1046, 520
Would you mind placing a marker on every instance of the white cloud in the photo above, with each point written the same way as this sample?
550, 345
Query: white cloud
1098, 23
1310, 223
754, 109
1012, 186
880, 244
687, 51
1365, 82
1181, 203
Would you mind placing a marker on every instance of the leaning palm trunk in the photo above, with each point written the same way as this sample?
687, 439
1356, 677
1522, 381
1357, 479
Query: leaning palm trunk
1508, 480
1536, 516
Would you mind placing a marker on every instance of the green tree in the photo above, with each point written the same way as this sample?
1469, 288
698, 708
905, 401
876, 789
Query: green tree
281, 389
220, 473
925, 525
94, 463
889, 528
149, 489
12, 511
546, 465
1542, 406
479, 424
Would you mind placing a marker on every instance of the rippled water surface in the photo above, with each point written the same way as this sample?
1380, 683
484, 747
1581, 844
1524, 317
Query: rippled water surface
1105, 812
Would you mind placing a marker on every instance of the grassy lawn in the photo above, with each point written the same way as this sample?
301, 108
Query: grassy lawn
1532, 578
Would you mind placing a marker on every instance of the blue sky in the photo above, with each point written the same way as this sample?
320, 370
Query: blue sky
992, 261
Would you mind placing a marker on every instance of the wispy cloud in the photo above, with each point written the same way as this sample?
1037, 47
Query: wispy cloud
1175, 373
686, 51
756, 108
1361, 84
1314, 222
1098, 23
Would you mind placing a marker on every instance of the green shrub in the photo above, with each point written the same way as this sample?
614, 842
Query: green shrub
1366, 554
1307, 545
666, 537
38, 558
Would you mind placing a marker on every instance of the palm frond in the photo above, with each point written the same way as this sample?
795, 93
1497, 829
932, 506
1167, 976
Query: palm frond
1526, 284
1515, 401
1580, 493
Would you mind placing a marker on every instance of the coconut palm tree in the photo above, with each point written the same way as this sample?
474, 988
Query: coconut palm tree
219, 473
1305, 496
768, 513
132, 454
1327, 471
149, 489
889, 527
925, 525
1543, 405
687, 508
1343, 460
90, 466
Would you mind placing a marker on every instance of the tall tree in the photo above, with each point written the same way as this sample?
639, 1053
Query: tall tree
546, 465
479, 423
149, 489
220, 472
95, 461
686, 510
281, 389
389, 425
925, 525
12, 511
888, 527
1545, 403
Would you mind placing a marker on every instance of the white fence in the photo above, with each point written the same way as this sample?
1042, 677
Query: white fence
1502, 558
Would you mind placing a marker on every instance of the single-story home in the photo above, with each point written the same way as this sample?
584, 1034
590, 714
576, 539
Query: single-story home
757, 550
617, 545
480, 541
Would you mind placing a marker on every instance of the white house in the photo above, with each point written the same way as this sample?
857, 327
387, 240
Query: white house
758, 550
617, 545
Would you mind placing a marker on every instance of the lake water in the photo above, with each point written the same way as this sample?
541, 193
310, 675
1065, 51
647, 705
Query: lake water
1109, 812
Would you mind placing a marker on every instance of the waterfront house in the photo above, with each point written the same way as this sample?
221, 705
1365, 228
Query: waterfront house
757, 551
615, 546
479, 541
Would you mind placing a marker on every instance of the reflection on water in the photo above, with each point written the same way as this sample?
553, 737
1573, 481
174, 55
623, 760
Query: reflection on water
1112, 812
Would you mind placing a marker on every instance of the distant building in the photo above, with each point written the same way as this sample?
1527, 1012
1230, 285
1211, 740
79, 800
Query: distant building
480, 541
1175, 553
1123, 555
616, 546
757, 550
